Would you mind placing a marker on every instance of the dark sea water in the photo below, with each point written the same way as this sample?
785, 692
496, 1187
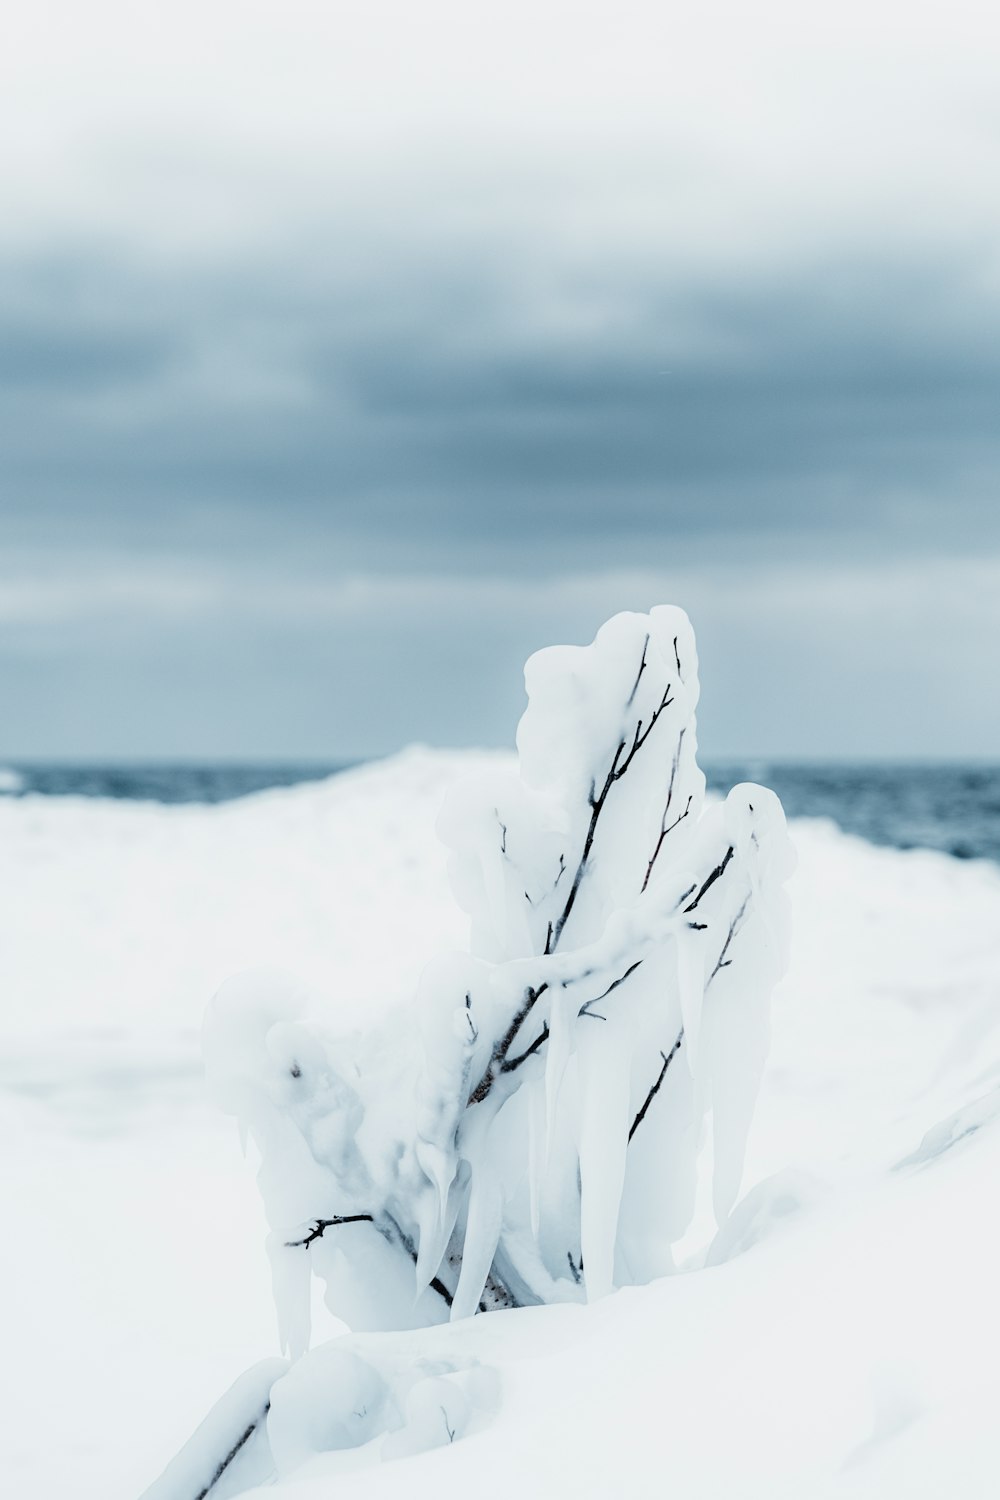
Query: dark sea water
952, 808
166, 783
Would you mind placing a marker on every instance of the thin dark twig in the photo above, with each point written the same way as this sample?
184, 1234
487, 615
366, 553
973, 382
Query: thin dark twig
502, 1046
500, 1062
585, 1007
320, 1226
406, 1242
722, 962
510, 1063
642, 668
240, 1443
665, 829
642, 735
597, 801
712, 878
438, 1286
668, 1058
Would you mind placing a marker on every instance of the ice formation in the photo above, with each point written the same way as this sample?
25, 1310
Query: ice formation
528, 1130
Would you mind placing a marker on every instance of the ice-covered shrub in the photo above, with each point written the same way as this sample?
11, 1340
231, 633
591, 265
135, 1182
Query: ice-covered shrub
527, 1131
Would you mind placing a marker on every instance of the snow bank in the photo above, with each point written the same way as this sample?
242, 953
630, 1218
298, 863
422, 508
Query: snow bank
840, 1343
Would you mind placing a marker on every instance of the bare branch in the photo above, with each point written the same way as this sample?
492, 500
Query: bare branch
500, 1062
240, 1443
722, 962
404, 1240
668, 1058
510, 1063
437, 1285
712, 878
642, 735
642, 668
664, 830
585, 1008
502, 1046
394, 1232
320, 1226
598, 799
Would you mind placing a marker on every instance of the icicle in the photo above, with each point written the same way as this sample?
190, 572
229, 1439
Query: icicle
562, 1018
536, 1154
690, 956
605, 1061
482, 1233
291, 1282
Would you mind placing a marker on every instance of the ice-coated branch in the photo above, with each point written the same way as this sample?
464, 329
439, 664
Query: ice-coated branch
665, 827
320, 1226
237, 1447
585, 1009
638, 675
222, 1456
597, 800
511, 1064
498, 1057
716, 874
668, 1058
394, 1233
722, 962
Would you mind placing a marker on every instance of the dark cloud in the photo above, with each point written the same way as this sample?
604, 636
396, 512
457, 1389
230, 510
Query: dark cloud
373, 415
498, 476
59, 359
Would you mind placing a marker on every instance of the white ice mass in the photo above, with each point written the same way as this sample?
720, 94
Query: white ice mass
834, 1339
526, 1131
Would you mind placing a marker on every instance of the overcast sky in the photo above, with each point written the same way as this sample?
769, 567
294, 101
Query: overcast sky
348, 353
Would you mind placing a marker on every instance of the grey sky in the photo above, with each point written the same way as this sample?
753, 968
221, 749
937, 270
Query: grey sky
346, 359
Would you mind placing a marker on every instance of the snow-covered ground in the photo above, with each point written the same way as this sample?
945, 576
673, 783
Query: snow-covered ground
848, 1350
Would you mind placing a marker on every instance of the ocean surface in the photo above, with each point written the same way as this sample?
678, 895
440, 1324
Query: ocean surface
952, 808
